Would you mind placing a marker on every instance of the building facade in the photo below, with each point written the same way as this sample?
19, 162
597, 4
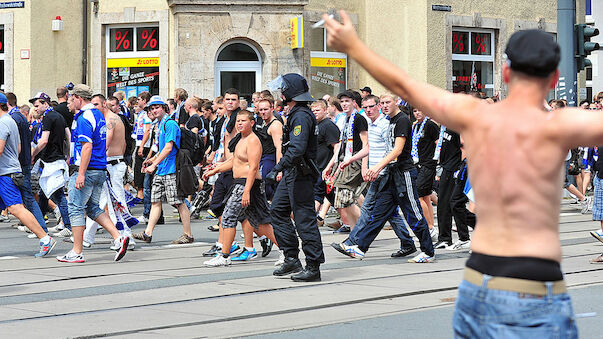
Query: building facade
206, 46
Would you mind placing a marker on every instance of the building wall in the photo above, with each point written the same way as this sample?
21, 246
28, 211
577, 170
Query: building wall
56, 56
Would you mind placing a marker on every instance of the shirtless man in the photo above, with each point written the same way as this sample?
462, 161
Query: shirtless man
513, 282
116, 166
246, 200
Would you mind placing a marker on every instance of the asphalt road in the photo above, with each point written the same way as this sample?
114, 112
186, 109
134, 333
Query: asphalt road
161, 290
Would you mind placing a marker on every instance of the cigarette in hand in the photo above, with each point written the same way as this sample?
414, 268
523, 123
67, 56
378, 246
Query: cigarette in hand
321, 22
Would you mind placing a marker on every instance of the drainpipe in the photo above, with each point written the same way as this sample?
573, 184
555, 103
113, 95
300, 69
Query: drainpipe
85, 42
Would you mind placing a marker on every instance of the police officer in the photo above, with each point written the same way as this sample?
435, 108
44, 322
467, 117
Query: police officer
294, 192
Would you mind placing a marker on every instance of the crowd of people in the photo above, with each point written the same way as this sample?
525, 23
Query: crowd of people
89, 158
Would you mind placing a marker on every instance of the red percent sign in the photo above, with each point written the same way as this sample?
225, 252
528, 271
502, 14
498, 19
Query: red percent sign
122, 40
481, 43
149, 39
457, 40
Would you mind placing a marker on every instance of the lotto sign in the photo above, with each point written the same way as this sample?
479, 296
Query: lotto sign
297, 32
133, 62
327, 62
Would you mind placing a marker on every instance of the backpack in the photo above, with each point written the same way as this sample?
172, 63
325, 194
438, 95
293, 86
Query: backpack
193, 143
130, 142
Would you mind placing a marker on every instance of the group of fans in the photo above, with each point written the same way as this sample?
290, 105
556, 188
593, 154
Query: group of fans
377, 160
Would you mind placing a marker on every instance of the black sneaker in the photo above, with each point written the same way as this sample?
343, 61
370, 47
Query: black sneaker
266, 246
212, 251
290, 266
214, 228
404, 252
441, 244
309, 274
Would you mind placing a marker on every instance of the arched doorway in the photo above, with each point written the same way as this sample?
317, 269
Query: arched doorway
238, 65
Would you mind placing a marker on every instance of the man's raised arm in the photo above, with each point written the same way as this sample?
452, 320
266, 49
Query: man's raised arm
452, 110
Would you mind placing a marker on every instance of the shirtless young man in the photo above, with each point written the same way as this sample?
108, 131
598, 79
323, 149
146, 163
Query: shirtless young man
513, 283
246, 199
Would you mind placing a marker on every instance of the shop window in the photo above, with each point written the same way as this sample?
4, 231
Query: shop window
473, 60
133, 59
328, 68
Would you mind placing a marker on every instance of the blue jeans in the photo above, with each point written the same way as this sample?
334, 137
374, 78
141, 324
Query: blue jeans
486, 313
28, 199
148, 181
396, 189
395, 220
85, 201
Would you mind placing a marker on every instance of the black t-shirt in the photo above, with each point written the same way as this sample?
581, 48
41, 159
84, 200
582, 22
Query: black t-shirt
194, 122
64, 112
360, 125
400, 126
54, 123
328, 134
183, 116
427, 143
217, 130
450, 155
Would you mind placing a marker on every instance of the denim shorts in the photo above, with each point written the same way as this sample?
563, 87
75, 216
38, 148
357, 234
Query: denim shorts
487, 313
85, 201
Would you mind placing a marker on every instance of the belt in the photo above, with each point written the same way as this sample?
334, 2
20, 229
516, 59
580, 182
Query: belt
115, 162
514, 284
77, 168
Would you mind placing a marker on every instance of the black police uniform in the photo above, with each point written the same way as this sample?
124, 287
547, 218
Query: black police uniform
295, 191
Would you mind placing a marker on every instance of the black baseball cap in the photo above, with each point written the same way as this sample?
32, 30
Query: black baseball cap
533, 52
367, 89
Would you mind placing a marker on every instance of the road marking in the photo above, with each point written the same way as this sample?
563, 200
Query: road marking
8, 257
568, 214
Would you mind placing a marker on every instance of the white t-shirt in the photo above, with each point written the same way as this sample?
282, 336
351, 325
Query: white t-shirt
141, 121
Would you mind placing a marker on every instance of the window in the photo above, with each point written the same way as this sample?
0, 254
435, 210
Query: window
473, 60
133, 59
238, 65
328, 69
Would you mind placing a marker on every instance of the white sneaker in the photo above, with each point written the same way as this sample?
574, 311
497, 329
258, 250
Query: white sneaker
434, 234
32, 236
85, 244
459, 245
131, 244
281, 258
585, 205
422, 258
24, 229
71, 257
218, 260
56, 228
57, 213
63, 234
142, 219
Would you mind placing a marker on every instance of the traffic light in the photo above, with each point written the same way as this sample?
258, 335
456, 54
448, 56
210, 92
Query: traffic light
584, 47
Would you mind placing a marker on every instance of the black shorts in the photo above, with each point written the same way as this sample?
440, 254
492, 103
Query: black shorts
425, 179
221, 188
258, 211
138, 175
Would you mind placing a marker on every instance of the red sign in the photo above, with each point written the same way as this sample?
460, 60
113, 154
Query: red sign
460, 42
480, 43
121, 39
147, 39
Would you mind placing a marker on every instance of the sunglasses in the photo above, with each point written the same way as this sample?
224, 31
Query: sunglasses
368, 107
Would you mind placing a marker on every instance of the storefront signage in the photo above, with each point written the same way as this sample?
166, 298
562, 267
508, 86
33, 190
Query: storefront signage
327, 62
133, 62
12, 4
441, 8
133, 76
297, 32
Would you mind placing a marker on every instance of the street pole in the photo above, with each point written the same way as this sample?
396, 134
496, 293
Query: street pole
566, 18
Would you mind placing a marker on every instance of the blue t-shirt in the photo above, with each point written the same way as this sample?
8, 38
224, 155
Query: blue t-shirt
168, 131
25, 135
89, 126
